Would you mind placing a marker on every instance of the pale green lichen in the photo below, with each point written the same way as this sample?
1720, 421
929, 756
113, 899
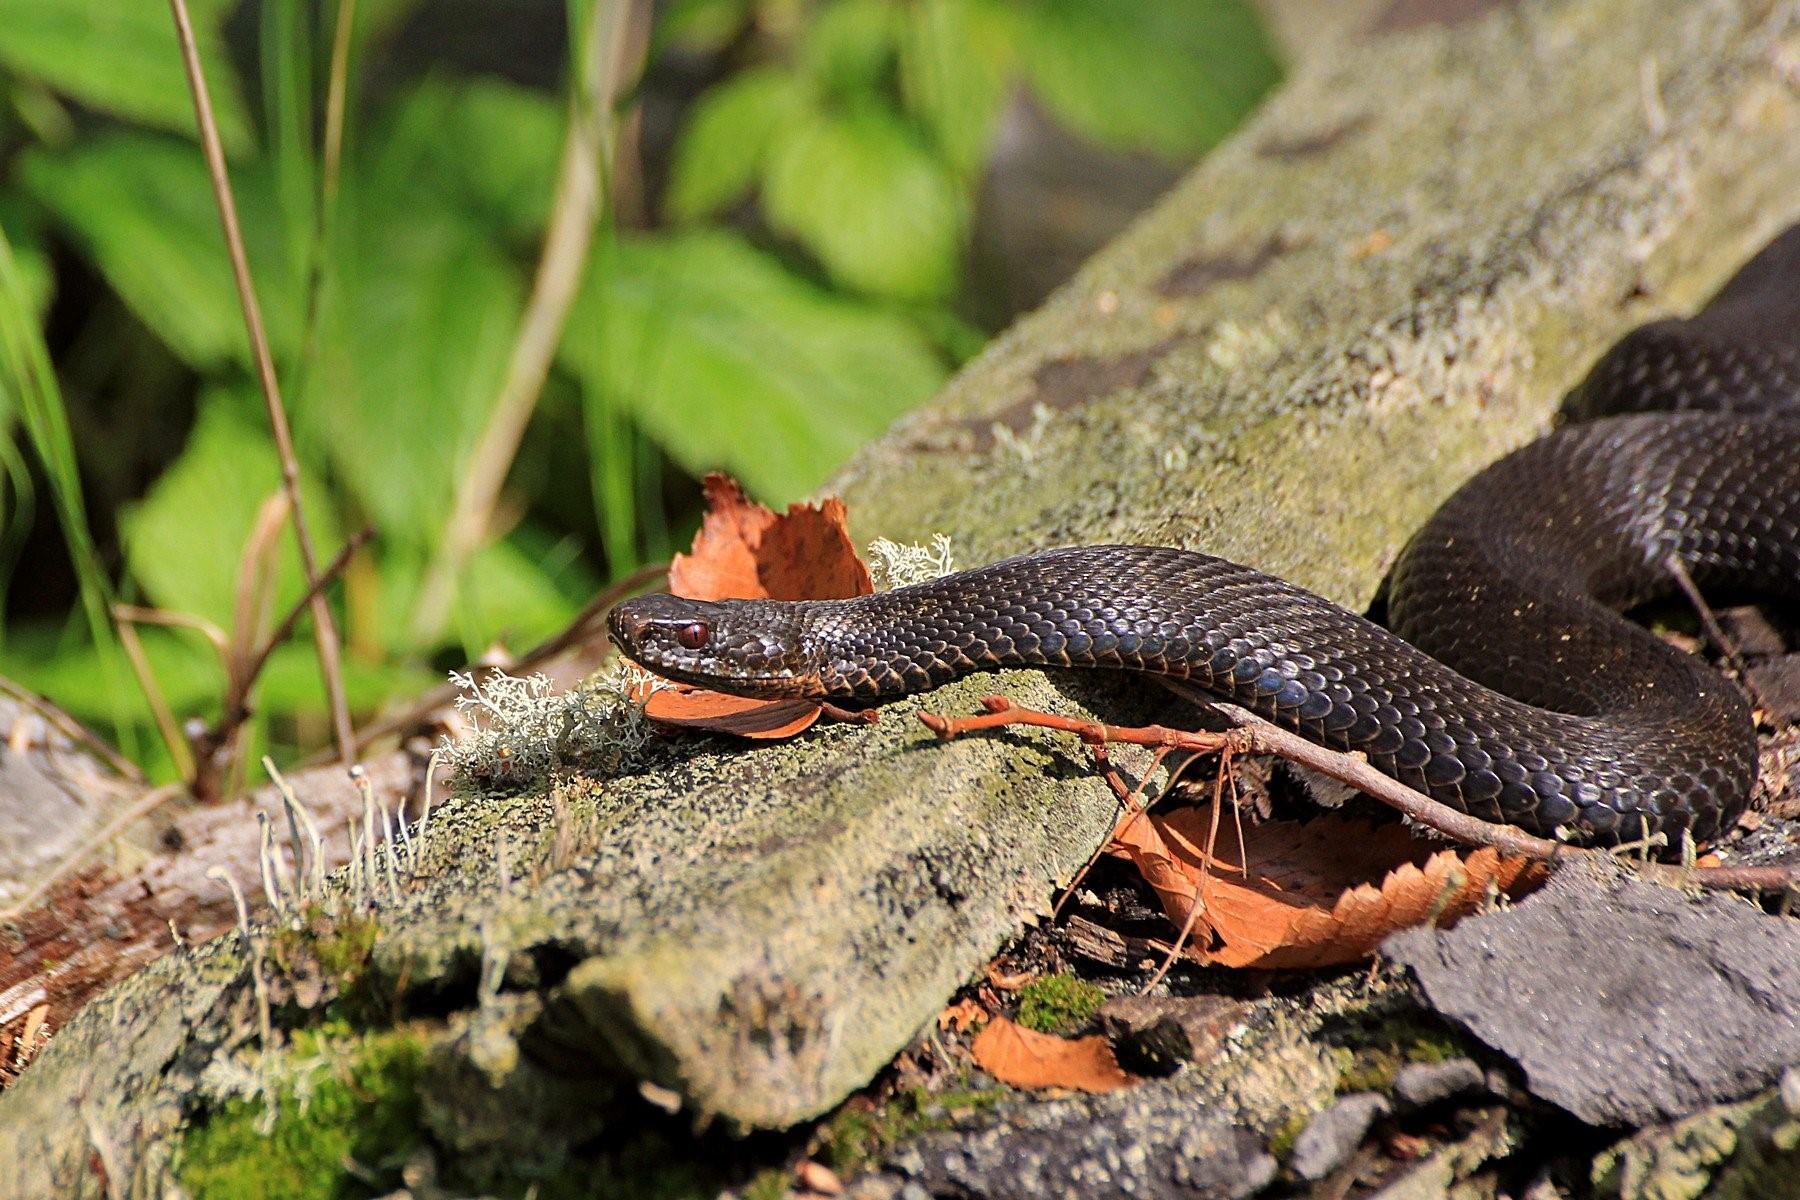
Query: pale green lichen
527, 734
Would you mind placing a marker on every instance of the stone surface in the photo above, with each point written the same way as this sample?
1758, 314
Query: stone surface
1622, 1002
1151, 1142
1332, 1136
1419, 1084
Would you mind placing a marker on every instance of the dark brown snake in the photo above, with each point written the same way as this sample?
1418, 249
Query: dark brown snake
1510, 686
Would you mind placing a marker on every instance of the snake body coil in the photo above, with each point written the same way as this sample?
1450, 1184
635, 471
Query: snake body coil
1510, 686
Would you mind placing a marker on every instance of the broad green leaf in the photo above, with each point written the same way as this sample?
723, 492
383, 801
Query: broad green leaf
730, 361
142, 207
414, 337
863, 193
1169, 76
487, 146
184, 539
121, 56
729, 130
849, 45
955, 57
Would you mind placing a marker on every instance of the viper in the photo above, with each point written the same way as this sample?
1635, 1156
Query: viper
1508, 682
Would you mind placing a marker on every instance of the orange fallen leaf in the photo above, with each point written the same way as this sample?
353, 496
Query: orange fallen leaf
1027, 1059
742, 716
1317, 893
961, 1016
746, 551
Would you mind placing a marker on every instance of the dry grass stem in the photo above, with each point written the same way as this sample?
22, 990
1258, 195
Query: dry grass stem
574, 214
324, 626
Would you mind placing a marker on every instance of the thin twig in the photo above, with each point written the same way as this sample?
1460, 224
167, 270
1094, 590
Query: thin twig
236, 708
180, 753
324, 627
1253, 734
584, 625
72, 729
1715, 633
574, 215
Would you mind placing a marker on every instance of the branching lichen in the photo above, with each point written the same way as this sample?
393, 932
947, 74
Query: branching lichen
527, 734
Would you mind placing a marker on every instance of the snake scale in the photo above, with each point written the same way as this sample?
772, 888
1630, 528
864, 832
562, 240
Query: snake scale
1508, 684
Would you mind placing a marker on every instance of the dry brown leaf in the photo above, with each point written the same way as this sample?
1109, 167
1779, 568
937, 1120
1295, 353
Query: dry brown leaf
747, 551
1024, 1058
697, 708
1321, 892
960, 1016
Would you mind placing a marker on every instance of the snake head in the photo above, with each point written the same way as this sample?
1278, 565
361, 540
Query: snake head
743, 647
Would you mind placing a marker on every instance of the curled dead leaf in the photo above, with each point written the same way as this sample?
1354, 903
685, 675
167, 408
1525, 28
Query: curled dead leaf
747, 551
1315, 893
960, 1016
1025, 1058
741, 716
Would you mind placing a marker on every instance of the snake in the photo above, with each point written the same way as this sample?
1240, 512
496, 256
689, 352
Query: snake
1508, 680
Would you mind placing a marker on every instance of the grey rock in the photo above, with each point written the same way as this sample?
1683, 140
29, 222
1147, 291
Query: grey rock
1419, 1084
1332, 1137
1623, 1002
1150, 1142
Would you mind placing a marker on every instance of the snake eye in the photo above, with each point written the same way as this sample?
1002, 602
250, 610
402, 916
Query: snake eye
693, 635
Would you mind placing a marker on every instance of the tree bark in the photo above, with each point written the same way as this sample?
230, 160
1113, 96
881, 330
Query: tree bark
1388, 278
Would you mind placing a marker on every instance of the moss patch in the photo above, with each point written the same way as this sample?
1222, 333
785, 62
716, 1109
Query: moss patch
1058, 1004
857, 1137
1369, 1057
360, 1105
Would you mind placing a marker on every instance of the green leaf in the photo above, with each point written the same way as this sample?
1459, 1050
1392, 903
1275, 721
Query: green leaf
955, 57
1169, 76
862, 193
183, 541
142, 207
729, 130
414, 337
489, 147
849, 45
730, 361
120, 56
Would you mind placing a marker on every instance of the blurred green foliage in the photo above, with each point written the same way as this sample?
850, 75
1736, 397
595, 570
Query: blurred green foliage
797, 286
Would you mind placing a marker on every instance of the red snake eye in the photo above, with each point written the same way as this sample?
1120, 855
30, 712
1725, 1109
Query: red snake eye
693, 635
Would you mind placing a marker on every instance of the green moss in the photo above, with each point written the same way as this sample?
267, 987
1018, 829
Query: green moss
361, 1106
1370, 1057
771, 1184
855, 1138
335, 950
1281, 1142
1058, 1004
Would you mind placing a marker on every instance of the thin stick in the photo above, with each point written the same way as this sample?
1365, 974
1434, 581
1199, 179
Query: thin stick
324, 627
574, 215
577, 630
235, 708
180, 752
1255, 735
1199, 903
72, 729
